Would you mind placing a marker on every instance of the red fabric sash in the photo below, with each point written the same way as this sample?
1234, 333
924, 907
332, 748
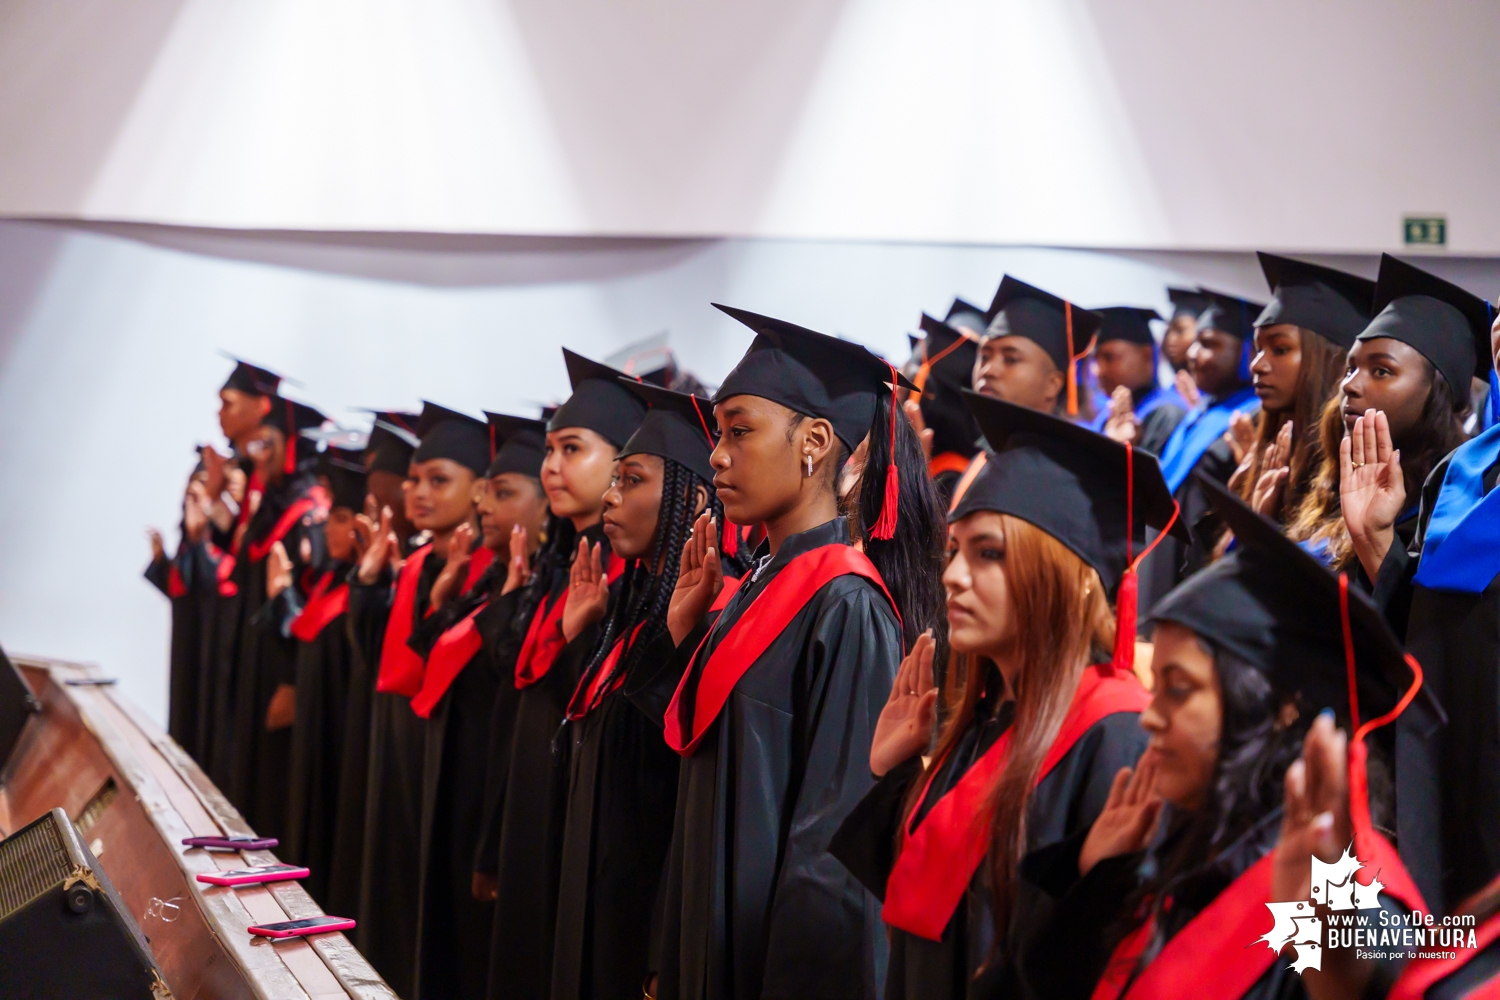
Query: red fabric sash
454, 648
1421, 974
400, 666
1218, 952
938, 861
544, 636
316, 497
766, 618
975, 467
175, 586
324, 604
223, 571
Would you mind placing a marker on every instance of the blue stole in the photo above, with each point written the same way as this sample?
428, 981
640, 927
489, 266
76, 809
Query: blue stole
1461, 550
1203, 425
1153, 399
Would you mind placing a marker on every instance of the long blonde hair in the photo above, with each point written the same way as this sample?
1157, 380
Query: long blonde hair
1063, 624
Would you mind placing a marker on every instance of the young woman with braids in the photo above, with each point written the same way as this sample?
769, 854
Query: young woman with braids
552, 634
1044, 707
779, 696
623, 782
1166, 892
1301, 341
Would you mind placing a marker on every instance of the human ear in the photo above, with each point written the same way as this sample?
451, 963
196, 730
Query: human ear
817, 440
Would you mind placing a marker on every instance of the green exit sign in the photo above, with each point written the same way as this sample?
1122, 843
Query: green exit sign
1425, 230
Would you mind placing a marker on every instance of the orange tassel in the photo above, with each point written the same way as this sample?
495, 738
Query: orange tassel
885, 528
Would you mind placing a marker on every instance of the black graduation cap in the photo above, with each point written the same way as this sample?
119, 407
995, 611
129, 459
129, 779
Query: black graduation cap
1187, 302
1022, 310
392, 442
345, 470
252, 379
1448, 325
947, 368
599, 402
950, 353
1331, 303
966, 316
1128, 323
811, 373
1071, 482
517, 444
1231, 314
1274, 605
676, 427
455, 436
291, 418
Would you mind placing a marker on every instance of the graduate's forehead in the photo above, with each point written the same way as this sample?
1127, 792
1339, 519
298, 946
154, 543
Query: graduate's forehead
748, 407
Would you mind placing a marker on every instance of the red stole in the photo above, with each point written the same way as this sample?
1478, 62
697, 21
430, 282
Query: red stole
223, 570
400, 666
324, 604
175, 586
315, 498
938, 861
1197, 954
544, 636
1421, 974
454, 648
766, 618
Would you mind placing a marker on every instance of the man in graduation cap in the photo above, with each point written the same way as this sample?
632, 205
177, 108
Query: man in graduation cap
1447, 776
1220, 362
1182, 329
290, 512
1126, 357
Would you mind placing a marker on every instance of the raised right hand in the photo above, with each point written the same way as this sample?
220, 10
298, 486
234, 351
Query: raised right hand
1123, 425
904, 728
519, 569
1372, 491
381, 547
213, 464
1129, 817
699, 579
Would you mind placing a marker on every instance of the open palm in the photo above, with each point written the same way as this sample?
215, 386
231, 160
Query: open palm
588, 591
904, 728
699, 579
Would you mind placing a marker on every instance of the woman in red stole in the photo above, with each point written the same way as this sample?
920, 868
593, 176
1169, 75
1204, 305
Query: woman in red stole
1166, 894
1044, 711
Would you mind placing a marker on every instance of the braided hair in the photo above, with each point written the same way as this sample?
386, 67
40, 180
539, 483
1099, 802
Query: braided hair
645, 596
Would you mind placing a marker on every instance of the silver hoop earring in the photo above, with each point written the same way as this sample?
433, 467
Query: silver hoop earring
809, 465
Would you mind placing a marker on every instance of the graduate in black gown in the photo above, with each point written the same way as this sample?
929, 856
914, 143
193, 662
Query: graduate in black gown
188, 580
622, 786
1141, 410
323, 672
244, 401
1039, 541
556, 633
946, 369
1167, 891
289, 513
1441, 584
453, 453
777, 705
1220, 364
388, 459
459, 689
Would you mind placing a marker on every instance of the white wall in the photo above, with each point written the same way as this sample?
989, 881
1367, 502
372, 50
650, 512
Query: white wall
109, 363
1278, 124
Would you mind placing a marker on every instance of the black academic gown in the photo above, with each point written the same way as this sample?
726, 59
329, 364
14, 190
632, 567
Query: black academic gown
347, 858
454, 928
1158, 425
1174, 560
390, 882
187, 579
1068, 953
530, 815
323, 668
1066, 801
753, 904
266, 658
1447, 776
622, 793
222, 634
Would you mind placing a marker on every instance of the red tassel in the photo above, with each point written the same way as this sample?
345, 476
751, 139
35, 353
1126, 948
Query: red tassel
730, 539
1125, 611
885, 528
291, 440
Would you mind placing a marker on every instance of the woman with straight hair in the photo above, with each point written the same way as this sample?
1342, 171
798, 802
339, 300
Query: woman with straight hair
1043, 701
1168, 889
1302, 339
779, 697
552, 633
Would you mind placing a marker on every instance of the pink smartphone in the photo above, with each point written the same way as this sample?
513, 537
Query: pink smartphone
254, 875
302, 928
232, 843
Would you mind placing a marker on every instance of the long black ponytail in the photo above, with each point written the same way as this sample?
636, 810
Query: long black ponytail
911, 559
645, 596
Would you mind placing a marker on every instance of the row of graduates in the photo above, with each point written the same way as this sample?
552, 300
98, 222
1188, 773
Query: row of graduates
801, 791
